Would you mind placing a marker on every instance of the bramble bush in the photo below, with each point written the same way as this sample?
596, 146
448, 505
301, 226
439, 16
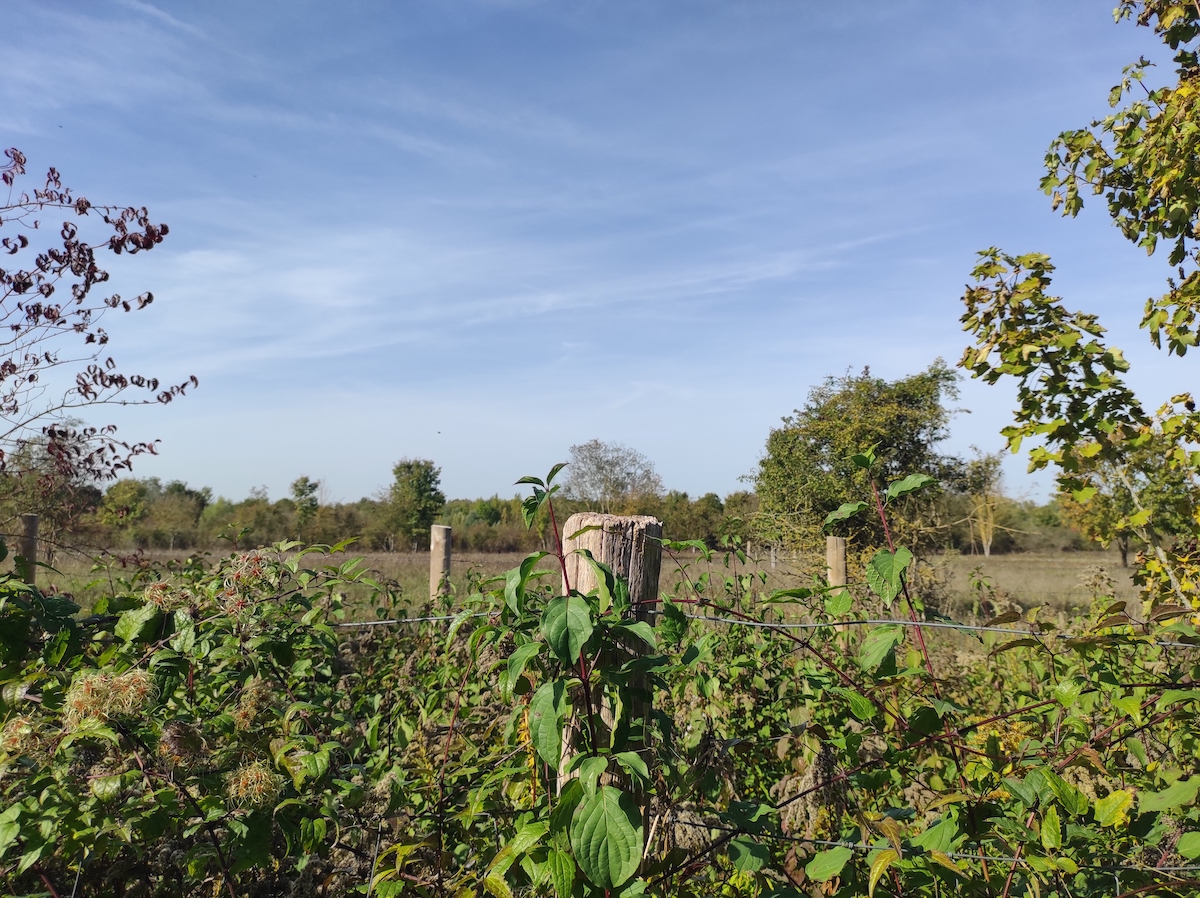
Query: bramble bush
210, 729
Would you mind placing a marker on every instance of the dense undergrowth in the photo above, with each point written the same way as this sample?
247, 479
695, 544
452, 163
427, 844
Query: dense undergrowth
210, 729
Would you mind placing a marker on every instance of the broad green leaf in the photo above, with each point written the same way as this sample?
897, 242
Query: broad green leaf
860, 705
1113, 809
1179, 793
1189, 845
747, 855
910, 484
10, 829
590, 772
138, 623
632, 762
495, 885
640, 629
879, 866
515, 580
672, 623
562, 872
1051, 829
520, 657
828, 863
878, 645
885, 573
606, 580
106, 788
606, 837
1067, 692
845, 512
547, 711
567, 625
838, 603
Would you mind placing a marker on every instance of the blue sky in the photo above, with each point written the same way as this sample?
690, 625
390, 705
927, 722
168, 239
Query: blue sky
481, 231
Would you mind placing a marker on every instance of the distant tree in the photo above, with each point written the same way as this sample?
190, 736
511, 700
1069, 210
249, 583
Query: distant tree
610, 477
806, 471
414, 500
1167, 498
304, 495
983, 486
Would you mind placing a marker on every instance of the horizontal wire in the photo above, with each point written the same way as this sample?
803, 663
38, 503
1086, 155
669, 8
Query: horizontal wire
904, 623
862, 846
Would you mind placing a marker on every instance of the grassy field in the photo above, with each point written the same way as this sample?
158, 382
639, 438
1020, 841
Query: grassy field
1058, 579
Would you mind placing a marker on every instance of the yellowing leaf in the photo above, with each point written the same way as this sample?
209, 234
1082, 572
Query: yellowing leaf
1113, 809
879, 866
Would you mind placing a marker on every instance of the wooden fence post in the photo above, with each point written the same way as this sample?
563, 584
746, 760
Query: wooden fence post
835, 560
632, 547
439, 561
27, 549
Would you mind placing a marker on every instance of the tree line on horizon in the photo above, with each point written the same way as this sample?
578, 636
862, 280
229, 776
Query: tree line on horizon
805, 473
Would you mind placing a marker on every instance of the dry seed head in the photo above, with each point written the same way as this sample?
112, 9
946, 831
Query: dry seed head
19, 736
253, 785
180, 743
130, 691
89, 698
165, 598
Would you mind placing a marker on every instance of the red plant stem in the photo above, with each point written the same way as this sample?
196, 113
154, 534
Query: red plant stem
37, 868
584, 673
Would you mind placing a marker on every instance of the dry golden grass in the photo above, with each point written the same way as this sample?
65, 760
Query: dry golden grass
1058, 579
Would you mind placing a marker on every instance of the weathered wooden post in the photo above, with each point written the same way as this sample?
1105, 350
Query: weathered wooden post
439, 561
835, 560
27, 548
632, 547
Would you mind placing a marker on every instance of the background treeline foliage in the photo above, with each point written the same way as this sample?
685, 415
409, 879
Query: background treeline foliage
971, 514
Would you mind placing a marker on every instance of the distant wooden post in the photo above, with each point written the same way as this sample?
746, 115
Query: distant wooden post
439, 560
632, 547
27, 548
835, 560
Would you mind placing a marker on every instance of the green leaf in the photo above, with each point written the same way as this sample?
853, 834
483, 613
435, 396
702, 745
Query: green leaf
672, 623
845, 512
885, 573
747, 855
838, 603
10, 829
1189, 845
106, 788
1177, 794
567, 625
632, 762
828, 863
640, 629
880, 642
606, 837
590, 772
1051, 829
1113, 809
520, 657
860, 705
879, 866
606, 580
547, 711
138, 623
515, 580
562, 872
910, 484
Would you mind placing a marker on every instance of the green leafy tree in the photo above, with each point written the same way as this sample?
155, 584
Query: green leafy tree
414, 500
304, 495
807, 471
1073, 398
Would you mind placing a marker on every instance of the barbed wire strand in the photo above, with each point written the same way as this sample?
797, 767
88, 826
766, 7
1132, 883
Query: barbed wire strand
767, 625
